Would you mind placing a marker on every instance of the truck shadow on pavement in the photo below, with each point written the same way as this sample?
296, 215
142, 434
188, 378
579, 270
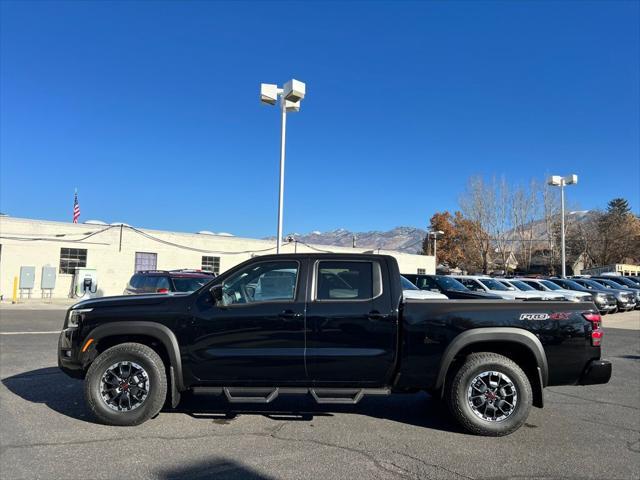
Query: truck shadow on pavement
219, 468
65, 395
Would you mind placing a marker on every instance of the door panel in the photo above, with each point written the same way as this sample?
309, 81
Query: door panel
351, 337
257, 335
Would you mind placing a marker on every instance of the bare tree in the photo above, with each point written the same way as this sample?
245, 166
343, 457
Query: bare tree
500, 219
478, 206
525, 210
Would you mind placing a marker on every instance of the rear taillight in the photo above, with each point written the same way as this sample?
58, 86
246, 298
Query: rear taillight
162, 290
596, 330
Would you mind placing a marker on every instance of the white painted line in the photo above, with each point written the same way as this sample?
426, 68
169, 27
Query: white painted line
30, 333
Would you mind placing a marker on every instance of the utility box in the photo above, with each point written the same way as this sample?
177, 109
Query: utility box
48, 281
27, 278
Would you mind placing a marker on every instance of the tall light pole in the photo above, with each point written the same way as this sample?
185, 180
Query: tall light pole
559, 181
435, 234
290, 96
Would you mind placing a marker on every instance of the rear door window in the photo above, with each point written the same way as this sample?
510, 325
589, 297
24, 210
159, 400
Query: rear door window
535, 285
471, 284
427, 283
344, 280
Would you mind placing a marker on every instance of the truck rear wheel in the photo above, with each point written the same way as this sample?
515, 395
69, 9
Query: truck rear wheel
126, 385
489, 395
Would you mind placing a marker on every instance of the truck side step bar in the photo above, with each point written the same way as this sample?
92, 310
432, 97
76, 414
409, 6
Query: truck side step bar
349, 396
344, 395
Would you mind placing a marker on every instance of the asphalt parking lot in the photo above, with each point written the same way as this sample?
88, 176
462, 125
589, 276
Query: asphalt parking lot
46, 431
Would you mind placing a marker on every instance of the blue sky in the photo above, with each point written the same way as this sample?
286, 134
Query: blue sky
152, 111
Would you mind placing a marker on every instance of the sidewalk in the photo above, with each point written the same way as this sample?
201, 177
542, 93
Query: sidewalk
629, 320
38, 304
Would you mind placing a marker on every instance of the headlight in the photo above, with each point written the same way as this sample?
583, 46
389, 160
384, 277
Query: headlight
75, 317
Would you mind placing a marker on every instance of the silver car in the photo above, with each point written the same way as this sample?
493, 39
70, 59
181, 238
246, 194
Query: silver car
519, 285
543, 285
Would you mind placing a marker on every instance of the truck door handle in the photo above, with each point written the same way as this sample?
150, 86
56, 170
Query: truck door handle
289, 315
376, 316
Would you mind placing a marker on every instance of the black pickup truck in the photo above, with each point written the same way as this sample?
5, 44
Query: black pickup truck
332, 326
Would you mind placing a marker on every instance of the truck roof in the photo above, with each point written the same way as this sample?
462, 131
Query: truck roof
355, 255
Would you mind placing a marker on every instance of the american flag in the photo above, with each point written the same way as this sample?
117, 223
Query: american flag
76, 208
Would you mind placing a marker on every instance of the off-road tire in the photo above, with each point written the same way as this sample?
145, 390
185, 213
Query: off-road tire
139, 354
457, 392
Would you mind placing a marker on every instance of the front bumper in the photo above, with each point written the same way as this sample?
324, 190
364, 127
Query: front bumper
596, 372
626, 305
605, 306
68, 353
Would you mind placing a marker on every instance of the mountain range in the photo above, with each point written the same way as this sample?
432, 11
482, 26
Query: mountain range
403, 239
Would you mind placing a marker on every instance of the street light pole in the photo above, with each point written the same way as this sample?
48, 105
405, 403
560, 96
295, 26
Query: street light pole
290, 96
563, 255
283, 135
559, 181
435, 250
434, 234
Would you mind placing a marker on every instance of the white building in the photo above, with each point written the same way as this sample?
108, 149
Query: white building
117, 251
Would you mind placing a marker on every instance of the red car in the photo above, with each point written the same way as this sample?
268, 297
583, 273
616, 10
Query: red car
167, 281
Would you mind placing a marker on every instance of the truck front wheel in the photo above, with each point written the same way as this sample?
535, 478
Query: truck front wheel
126, 385
489, 395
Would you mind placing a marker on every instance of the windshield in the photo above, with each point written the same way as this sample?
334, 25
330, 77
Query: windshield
550, 285
573, 285
591, 285
521, 285
492, 284
407, 285
629, 282
189, 284
448, 283
609, 283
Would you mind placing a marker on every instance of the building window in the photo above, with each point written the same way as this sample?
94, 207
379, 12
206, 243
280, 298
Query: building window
72, 258
211, 264
422, 271
146, 261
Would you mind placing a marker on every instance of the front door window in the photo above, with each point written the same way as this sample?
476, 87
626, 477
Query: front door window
264, 282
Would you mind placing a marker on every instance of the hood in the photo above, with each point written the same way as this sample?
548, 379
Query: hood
472, 294
423, 295
130, 300
551, 295
517, 295
572, 293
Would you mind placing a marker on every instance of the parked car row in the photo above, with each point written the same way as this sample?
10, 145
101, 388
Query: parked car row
609, 293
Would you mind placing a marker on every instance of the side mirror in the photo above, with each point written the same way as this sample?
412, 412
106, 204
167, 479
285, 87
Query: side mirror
216, 293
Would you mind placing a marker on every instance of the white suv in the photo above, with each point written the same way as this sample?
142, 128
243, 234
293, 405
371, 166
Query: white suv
479, 283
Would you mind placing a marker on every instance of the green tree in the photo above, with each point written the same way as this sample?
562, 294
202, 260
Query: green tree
618, 207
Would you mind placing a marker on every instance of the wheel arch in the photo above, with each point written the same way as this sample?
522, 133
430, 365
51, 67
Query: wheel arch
155, 335
519, 345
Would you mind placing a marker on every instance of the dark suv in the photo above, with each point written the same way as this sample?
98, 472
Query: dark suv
163, 281
449, 286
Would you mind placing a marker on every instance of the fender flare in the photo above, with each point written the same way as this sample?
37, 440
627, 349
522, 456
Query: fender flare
156, 330
494, 334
